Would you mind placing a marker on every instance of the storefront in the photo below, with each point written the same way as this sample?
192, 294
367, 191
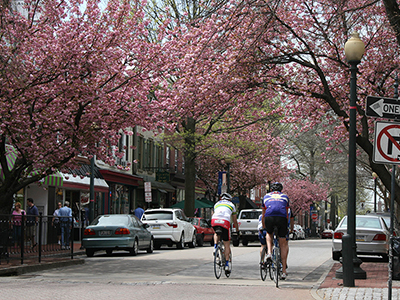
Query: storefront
122, 189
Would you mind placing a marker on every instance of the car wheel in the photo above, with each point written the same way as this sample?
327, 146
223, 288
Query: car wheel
151, 246
109, 251
134, 250
180, 244
89, 252
385, 257
235, 242
245, 242
336, 255
193, 243
200, 242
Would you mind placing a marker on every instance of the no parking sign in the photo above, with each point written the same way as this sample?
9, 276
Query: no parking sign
387, 143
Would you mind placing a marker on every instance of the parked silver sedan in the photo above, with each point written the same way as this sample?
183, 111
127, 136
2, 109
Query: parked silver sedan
372, 236
117, 232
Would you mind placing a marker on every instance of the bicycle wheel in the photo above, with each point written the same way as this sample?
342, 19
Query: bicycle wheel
276, 265
218, 262
263, 266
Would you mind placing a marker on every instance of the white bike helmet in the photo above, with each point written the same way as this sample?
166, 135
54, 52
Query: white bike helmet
226, 196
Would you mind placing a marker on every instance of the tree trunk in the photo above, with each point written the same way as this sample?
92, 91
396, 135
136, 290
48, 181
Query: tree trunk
190, 167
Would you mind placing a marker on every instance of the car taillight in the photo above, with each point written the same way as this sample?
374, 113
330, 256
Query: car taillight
380, 237
338, 235
122, 231
89, 232
173, 225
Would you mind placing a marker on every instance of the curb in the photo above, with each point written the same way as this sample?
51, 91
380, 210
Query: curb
314, 290
22, 269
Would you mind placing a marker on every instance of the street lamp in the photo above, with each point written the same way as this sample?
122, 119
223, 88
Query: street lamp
354, 50
375, 176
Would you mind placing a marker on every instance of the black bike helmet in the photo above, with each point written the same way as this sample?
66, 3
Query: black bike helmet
276, 187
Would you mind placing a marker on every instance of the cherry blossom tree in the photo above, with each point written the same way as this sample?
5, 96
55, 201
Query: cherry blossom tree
295, 49
73, 73
302, 193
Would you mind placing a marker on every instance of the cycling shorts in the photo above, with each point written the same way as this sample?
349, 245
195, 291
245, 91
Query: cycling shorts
261, 236
225, 226
280, 222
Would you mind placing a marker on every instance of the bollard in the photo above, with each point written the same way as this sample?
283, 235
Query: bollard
347, 261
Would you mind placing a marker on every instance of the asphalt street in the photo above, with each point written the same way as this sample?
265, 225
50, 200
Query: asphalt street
175, 274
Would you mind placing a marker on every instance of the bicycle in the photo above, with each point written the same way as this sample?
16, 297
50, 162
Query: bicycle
274, 266
219, 257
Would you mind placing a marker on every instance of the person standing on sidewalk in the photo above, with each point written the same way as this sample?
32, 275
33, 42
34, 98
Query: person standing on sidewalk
56, 223
65, 216
17, 225
31, 221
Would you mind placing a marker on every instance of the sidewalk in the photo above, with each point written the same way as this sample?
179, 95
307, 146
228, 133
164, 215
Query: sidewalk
49, 259
374, 287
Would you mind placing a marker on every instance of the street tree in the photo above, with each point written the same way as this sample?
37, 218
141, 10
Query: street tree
296, 49
73, 73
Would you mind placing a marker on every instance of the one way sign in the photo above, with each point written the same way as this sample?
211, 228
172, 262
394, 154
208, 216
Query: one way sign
380, 107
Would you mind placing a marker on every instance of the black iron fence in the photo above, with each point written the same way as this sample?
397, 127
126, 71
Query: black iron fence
27, 236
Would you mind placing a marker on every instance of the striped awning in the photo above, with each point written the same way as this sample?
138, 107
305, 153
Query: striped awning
53, 180
11, 157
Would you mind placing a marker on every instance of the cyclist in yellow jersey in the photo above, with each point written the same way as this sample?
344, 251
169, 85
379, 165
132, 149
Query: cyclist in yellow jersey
224, 209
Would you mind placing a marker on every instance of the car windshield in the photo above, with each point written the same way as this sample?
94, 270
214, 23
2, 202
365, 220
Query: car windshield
158, 215
194, 221
111, 220
365, 222
250, 215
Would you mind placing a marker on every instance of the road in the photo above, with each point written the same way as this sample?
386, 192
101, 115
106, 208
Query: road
170, 273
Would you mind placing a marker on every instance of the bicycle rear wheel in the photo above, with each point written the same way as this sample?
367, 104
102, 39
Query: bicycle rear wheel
276, 265
218, 262
263, 266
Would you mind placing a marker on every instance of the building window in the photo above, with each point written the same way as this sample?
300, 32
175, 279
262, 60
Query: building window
176, 161
167, 153
140, 148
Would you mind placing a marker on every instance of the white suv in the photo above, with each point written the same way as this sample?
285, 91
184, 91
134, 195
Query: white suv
170, 226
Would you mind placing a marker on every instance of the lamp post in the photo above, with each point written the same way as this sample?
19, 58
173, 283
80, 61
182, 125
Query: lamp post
354, 50
375, 176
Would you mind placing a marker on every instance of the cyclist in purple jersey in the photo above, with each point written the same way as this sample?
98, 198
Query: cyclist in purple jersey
275, 209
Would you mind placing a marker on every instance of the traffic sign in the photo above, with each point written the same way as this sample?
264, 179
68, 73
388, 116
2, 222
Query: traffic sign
314, 217
380, 107
387, 143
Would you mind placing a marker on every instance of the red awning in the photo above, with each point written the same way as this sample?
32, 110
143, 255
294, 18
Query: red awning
117, 177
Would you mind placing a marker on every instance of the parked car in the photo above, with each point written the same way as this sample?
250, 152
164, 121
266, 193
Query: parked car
372, 236
170, 226
117, 232
386, 216
298, 233
205, 233
327, 234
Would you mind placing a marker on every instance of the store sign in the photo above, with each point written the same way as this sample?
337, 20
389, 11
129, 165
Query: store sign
147, 191
162, 176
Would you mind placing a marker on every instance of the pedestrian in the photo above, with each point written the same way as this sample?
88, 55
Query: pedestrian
65, 215
17, 224
31, 222
139, 211
55, 222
